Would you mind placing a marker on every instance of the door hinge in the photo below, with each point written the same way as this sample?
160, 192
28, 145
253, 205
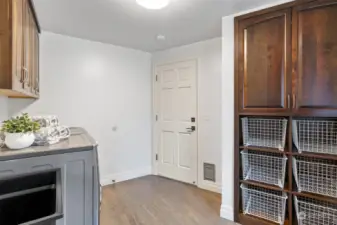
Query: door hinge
156, 157
156, 77
156, 117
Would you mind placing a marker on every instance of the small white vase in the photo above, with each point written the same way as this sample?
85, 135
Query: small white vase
19, 140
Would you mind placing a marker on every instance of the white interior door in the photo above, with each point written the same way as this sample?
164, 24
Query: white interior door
177, 121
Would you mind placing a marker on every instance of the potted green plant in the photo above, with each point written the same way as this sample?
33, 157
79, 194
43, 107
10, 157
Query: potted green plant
19, 131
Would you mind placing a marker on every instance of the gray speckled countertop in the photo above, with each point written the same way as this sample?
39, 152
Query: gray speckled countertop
79, 140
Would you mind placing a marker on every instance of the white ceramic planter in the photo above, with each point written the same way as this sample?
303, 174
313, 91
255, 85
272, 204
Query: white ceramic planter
19, 140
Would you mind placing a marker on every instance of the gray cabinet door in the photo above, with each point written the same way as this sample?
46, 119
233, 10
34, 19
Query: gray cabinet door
78, 189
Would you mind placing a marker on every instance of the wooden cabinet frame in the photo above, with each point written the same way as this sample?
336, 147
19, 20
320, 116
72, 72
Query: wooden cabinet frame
290, 115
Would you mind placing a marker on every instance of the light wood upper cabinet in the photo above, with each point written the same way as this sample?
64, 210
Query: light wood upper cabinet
18, 49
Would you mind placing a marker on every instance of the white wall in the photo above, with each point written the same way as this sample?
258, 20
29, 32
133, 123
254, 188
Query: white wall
227, 117
228, 111
208, 54
98, 86
3, 108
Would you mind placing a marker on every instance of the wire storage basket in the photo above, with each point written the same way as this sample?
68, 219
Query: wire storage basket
314, 212
262, 132
264, 203
316, 176
318, 136
268, 168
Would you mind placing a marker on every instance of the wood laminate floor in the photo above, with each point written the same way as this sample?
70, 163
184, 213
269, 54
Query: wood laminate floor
154, 200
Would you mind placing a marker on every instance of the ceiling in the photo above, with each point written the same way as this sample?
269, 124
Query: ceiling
124, 23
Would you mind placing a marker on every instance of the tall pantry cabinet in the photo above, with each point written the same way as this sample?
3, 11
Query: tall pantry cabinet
286, 115
19, 49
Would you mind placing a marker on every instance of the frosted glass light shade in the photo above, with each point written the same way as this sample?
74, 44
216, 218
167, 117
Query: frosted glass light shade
153, 4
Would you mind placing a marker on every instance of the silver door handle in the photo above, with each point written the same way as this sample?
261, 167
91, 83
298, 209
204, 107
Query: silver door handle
191, 129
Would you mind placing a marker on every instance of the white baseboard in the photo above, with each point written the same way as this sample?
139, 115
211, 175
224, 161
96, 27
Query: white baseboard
227, 212
210, 186
127, 175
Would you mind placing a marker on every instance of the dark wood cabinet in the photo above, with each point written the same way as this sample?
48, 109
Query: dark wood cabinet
285, 67
264, 62
287, 60
19, 31
315, 58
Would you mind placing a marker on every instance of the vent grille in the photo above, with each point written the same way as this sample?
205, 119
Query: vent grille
209, 172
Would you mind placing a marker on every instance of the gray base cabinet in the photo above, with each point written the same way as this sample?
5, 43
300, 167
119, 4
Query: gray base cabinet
78, 183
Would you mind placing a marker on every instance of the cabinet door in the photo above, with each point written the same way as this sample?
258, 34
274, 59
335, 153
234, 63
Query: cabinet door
36, 62
27, 48
5, 60
4, 45
315, 58
78, 195
17, 45
32, 56
4, 17
32, 52
264, 65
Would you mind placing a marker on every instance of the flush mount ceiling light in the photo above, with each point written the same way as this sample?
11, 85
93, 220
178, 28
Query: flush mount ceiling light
161, 37
153, 4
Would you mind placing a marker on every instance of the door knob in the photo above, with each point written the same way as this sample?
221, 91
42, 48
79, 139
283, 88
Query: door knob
191, 129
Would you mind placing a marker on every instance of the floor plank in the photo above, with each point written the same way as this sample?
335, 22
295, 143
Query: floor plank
154, 200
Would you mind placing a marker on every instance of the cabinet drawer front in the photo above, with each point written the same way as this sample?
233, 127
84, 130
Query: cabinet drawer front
264, 52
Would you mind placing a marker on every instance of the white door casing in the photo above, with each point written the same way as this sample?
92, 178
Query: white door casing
176, 103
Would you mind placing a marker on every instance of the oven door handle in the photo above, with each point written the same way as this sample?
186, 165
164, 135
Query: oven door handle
44, 220
26, 192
